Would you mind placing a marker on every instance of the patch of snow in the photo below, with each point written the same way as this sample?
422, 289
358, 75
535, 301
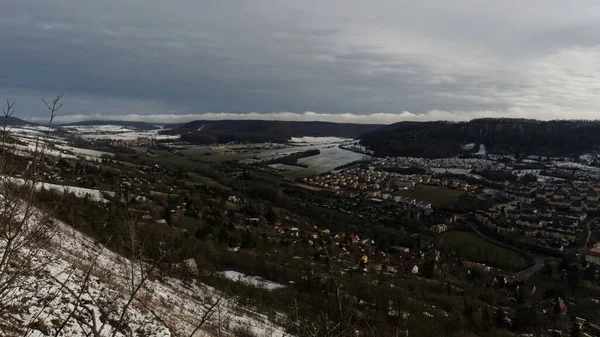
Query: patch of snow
482, 150
163, 304
130, 135
256, 281
330, 158
319, 140
80, 192
468, 147
588, 157
97, 128
85, 152
568, 164
521, 173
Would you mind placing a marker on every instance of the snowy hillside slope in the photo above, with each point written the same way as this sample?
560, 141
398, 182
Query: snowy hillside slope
162, 307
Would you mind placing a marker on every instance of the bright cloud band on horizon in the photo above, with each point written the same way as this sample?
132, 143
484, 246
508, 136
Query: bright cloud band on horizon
380, 61
378, 118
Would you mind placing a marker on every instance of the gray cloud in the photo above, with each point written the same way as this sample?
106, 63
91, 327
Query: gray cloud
392, 60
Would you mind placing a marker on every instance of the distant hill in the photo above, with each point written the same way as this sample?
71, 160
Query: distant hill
14, 121
224, 131
137, 125
499, 136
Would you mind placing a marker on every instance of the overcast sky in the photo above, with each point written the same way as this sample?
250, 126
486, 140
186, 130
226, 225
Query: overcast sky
353, 61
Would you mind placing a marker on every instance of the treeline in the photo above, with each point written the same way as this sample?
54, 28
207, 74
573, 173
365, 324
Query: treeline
292, 159
500, 136
405, 170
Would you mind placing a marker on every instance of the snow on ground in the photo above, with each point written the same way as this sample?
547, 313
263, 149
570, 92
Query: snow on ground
319, 140
51, 146
521, 173
568, 164
450, 170
458, 171
482, 150
468, 147
97, 128
85, 152
31, 148
46, 299
330, 158
356, 147
115, 132
537, 173
132, 135
29, 129
80, 192
251, 280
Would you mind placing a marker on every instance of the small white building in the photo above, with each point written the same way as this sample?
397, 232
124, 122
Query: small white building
440, 228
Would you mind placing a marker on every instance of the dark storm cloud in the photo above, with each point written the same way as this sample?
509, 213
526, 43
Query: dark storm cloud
188, 59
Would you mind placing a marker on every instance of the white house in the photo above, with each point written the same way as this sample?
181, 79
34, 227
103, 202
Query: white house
440, 228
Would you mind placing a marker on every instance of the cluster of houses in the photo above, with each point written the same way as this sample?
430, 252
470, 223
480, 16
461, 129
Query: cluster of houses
445, 163
384, 185
355, 179
449, 183
359, 254
545, 226
578, 197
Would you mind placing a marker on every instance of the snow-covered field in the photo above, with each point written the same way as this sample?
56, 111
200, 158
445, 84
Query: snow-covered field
568, 164
36, 140
319, 140
80, 192
84, 152
251, 280
97, 128
164, 306
115, 132
330, 158
589, 157
132, 135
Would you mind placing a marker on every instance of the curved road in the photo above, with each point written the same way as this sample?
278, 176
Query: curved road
538, 258
584, 248
523, 274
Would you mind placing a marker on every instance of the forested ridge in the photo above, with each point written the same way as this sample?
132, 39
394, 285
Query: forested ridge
258, 131
499, 136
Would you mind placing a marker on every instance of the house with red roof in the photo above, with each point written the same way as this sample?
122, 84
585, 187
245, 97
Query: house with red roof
593, 254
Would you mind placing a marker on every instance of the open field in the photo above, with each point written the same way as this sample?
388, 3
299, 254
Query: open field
470, 246
433, 194
298, 173
209, 181
208, 155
